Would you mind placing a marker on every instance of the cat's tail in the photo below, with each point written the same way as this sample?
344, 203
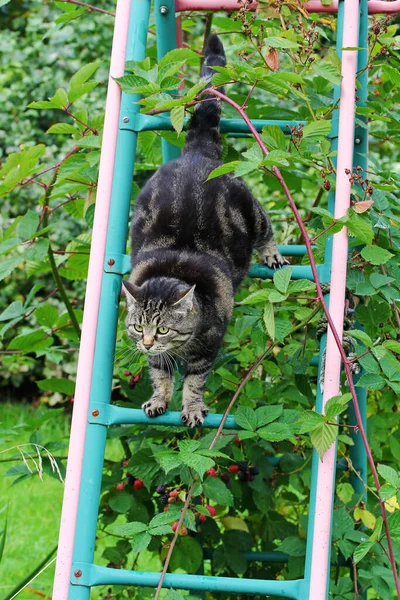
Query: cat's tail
207, 113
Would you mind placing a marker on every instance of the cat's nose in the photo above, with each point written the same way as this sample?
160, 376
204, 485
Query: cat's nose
148, 343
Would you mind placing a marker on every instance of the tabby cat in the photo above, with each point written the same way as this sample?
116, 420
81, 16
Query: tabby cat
192, 242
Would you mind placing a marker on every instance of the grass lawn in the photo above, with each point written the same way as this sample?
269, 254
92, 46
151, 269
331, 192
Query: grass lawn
33, 506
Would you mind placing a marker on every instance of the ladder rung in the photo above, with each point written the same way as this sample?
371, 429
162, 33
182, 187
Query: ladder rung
91, 575
142, 122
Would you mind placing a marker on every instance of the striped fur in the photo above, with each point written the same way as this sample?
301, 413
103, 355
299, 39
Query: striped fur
192, 242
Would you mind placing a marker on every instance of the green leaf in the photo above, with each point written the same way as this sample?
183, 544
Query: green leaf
345, 492
196, 461
216, 490
328, 71
322, 437
173, 595
64, 128
376, 255
317, 130
269, 320
389, 475
360, 335
371, 381
292, 545
121, 502
13, 310
245, 166
256, 297
360, 226
282, 279
8, 266
278, 158
46, 315
337, 404
393, 74
80, 78
309, 420
301, 285
31, 342
141, 541
177, 118
223, 169
165, 518
254, 154
267, 414
179, 55
128, 529
362, 550
170, 461
53, 384
130, 83
387, 491
280, 42
28, 225
187, 555
275, 432
246, 418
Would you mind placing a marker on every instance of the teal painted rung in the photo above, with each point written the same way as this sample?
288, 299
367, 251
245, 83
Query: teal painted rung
269, 557
92, 575
109, 414
141, 122
121, 263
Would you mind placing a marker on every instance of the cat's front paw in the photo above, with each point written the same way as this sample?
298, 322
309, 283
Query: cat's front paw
155, 407
274, 259
194, 414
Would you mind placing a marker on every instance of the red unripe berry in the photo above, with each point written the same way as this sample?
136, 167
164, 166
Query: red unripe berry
183, 531
127, 373
171, 500
120, 486
138, 484
166, 508
174, 494
327, 185
202, 517
234, 468
212, 472
72, 399
125, 463
211, 510
175, 526
237, 440
136, 378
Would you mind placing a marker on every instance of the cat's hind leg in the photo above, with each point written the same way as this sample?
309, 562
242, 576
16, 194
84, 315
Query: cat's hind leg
162, 378
265, 243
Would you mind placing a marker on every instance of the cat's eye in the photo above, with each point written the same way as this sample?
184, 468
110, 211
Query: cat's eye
138, 328
162, 330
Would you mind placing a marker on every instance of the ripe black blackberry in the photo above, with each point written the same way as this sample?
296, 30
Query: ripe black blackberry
161, 489
254, 470
243, 466
164, 499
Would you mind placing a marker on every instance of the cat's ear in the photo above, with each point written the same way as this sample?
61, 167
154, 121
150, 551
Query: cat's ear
132, 292
185, 302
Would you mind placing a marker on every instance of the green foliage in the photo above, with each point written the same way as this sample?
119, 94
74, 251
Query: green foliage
48, 180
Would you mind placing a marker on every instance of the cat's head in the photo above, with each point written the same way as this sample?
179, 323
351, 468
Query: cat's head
162, 314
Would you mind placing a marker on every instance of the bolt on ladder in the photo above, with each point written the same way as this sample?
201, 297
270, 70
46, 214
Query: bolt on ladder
75, 571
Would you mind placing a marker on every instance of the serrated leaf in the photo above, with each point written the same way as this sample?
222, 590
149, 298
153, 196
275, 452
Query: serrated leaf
371, 381
46, 315
392, 345
336, 405
223, 169
328, 71
256, 297
245, 166
301, 285
164, 518
197, 461
177, 118
275, 432
53, 384
317, 130
128, 529
282, 279
280, 42
28, 225
360, 227
121, 502
308, 421
269, 320
278, 158
170, 461
246, 417
376, 255
13, 310
389, 475
64, 128
360, 335
362, 550
141, 541
216, 490
293, 545
83, 75
322, 437
345, 492
267, 414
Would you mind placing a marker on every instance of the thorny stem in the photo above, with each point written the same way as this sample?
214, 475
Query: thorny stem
334, 332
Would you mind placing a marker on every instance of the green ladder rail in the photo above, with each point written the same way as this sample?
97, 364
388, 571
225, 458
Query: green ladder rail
85, 574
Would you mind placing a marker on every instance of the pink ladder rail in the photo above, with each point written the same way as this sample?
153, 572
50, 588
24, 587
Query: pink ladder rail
91, 309
326, 469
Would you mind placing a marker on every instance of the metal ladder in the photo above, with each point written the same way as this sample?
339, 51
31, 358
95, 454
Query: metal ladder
90, 421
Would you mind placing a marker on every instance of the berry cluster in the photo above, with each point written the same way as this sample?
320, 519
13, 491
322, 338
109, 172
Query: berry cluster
167, 496
134, 379
245, 471
137, 484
